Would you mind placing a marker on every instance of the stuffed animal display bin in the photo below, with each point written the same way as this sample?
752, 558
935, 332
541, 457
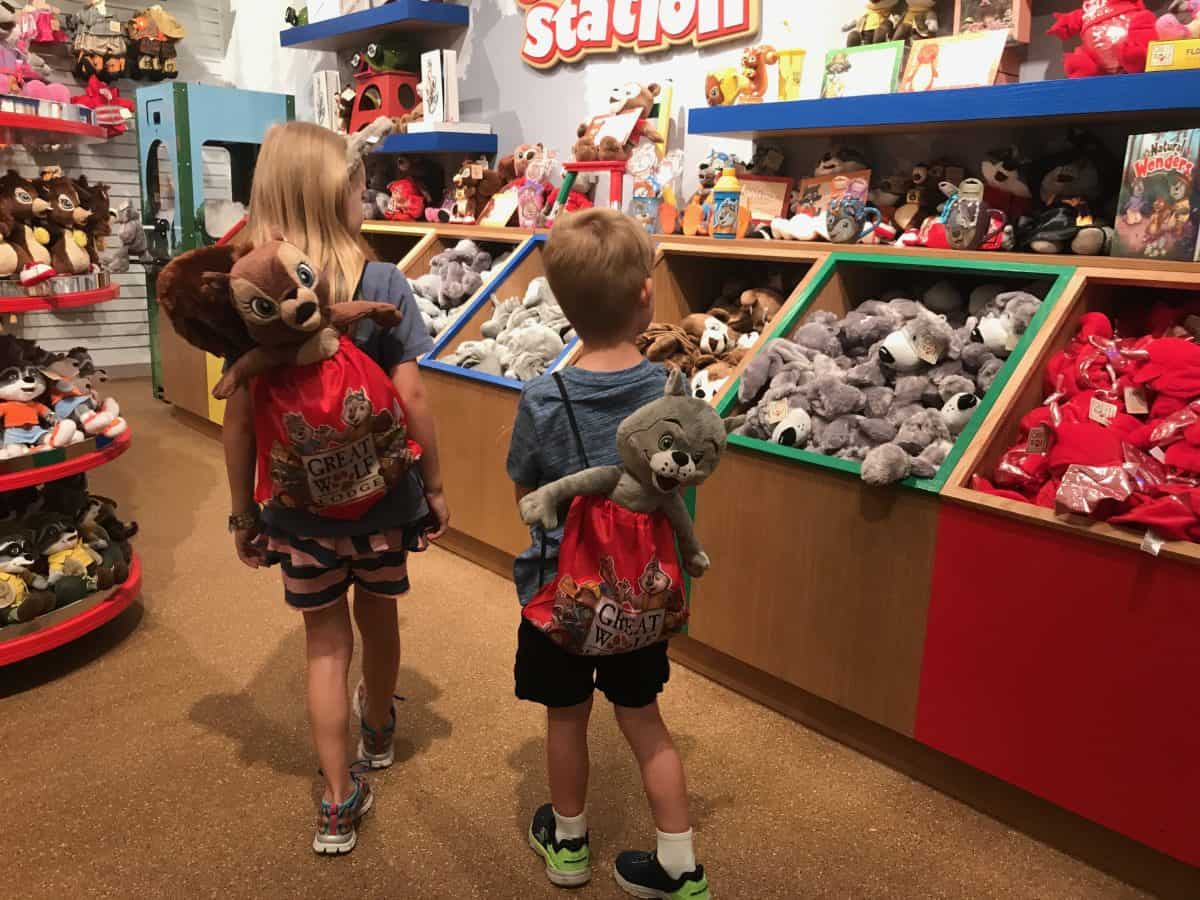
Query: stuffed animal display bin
884, 369
712, 308
513, 330
1100, 429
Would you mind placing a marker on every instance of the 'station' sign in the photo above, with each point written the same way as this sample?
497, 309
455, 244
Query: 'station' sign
566, 30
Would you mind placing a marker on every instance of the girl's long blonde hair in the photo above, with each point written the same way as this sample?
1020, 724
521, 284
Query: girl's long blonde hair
302, 189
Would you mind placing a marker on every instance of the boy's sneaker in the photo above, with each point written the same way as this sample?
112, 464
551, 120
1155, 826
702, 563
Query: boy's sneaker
640, 875
376, 748
568, 863
337, 824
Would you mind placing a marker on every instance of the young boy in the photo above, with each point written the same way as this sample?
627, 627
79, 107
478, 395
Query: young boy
599, 266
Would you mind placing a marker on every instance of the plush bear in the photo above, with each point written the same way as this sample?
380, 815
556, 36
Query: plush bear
629, 97
710, 332
708, 382
1000, 330
875, 25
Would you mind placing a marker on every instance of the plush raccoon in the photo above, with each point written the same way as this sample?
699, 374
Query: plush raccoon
1006, 174
23, 595
841, 159
113, 546
73, 568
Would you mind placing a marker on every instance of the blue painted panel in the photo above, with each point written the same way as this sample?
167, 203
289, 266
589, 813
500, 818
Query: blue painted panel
357, 29
439, 142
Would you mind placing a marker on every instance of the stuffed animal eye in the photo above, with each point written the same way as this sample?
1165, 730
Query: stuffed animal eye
698, 457
356, 60
666, 442
65, 204
305, 275
23, 196
372, 51
263, 308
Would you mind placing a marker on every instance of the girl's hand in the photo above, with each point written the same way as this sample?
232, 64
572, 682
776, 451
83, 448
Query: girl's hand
246, 551
440, 511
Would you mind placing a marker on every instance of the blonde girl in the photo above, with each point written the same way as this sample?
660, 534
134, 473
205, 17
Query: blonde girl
305, 190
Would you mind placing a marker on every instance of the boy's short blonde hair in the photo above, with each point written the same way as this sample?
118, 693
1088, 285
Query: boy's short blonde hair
597, 262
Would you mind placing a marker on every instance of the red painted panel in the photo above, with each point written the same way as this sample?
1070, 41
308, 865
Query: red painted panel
1071, 668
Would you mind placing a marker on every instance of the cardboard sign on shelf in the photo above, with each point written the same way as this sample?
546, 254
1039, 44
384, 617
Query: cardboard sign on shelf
961, 61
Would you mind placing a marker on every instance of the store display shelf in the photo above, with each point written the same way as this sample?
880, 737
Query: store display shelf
449, 230
357, 29
440, 142
1090, 290
45, 466
844, 280
18, 128
18, 642
56, 302
1109, 98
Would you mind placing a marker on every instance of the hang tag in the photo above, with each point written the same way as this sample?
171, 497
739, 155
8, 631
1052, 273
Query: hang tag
476, 172
928, 350
1010, 343
1102, 412
1135, 401
1159, 454
1152, 543
114, 26
777, 411
1192, 324
1039, 439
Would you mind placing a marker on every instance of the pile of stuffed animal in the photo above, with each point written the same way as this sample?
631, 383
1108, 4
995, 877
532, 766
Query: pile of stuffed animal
888, 385
57, 545
454, 277
1118, 435
52, 227
522, 338
50, 400
707, 347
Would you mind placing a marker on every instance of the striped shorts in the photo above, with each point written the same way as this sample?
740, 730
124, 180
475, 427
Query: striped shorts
317, 572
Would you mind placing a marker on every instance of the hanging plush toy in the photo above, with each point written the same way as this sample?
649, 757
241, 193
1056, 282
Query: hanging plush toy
153, 34
619, 560
919, 22
1115, 35
99, 43
875, 25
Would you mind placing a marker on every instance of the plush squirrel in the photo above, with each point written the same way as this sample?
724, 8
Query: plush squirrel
665, 447
66, 217
271, 302
875, 25
21, 206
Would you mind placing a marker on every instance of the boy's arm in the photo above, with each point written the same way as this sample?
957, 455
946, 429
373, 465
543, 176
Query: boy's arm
695, 560
522, 463
407, 379
237, 434
541, 506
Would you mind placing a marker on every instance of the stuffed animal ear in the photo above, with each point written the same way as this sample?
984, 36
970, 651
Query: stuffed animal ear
194, 292
654, 88
677, 384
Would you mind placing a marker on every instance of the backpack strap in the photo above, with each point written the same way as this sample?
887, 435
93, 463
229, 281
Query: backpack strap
562, 389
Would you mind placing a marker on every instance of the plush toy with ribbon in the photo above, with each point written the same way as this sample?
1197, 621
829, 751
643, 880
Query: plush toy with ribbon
1115, 35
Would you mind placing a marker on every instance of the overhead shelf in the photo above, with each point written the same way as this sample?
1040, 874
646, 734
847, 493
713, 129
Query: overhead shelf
61, 626
358, 29
1110, 97
19, 128
45, 466
439, 142
56, 302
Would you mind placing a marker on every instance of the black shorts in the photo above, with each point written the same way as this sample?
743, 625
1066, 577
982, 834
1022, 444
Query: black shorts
549, 675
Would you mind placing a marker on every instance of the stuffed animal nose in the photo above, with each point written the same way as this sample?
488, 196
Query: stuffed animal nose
305, 311
40, 207
976, 336
681, 459
787, 436
885, 355
81, 215
967, 401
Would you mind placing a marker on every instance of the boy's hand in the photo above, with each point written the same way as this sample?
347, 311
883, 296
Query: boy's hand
538, 509
440, 510
246, 551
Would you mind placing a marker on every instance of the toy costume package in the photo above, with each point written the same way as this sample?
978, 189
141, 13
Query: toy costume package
1157, 216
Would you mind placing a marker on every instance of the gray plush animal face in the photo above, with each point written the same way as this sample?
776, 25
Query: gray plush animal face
672, 443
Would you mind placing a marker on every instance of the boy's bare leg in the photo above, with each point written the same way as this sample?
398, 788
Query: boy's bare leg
567, 761
330, 644
662, 768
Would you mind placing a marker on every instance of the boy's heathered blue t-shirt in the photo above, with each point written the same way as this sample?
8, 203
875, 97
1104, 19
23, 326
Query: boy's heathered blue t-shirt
405, 504
543, 449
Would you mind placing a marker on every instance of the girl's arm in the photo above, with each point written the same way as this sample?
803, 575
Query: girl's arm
407, 379
237, 434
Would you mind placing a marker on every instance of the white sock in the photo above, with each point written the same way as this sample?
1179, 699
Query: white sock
568, 828
675, 853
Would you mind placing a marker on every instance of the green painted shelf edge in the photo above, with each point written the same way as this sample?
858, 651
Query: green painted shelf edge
1061, 274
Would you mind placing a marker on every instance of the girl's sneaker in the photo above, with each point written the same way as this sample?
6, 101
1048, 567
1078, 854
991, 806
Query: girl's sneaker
640, 875
337, 824
568, 863
376, 748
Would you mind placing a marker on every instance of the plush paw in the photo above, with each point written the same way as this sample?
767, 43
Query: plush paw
536, 509
697, 564
387, 316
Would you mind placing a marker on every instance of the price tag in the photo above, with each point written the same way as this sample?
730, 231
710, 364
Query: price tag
1135, 401
476, 172
1010, 342
1152, 543
114, 26
777, 411
1159, 454
1101, 412
928, 350
1039, 439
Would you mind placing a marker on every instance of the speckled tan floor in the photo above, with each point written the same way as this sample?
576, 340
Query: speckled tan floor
168, 755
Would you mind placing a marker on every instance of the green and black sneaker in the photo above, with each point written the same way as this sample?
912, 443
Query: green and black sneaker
568, 863
640, 875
